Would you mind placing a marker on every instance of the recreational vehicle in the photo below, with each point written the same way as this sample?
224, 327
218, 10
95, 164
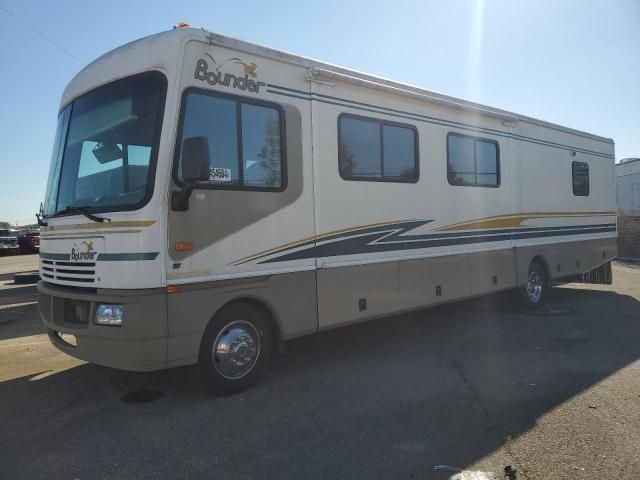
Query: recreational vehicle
209, 199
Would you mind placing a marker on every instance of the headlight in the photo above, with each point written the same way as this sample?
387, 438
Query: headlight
109, 314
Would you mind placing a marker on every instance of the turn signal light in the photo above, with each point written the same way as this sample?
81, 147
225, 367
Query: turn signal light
184, 246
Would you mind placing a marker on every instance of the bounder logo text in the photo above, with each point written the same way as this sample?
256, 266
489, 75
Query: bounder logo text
213, 75
84, 253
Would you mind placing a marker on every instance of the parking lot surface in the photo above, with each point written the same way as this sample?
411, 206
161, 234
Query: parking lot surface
477, 385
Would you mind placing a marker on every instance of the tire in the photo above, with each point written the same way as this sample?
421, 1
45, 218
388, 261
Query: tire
532, 295
249, 333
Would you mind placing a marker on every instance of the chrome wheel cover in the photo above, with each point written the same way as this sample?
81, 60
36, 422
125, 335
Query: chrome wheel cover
535, 285
236, 349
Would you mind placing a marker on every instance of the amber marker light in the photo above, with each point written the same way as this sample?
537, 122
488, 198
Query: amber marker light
172, 288
184, 246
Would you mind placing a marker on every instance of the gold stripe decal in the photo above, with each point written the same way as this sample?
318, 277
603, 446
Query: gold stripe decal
312, 238
499, 221
513, 221
105, 225
62, 235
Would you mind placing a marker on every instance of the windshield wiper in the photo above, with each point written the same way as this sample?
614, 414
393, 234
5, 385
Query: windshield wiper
82, 210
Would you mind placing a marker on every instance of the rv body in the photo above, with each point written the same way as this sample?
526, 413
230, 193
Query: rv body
333, 197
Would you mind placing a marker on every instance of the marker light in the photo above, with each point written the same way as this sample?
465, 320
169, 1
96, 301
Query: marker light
109, 314
184, 246
182, 24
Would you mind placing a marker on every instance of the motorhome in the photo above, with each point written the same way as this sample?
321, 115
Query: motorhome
209, 199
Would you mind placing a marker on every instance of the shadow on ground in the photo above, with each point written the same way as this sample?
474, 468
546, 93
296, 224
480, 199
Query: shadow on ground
19, 312
17, 293
386, 399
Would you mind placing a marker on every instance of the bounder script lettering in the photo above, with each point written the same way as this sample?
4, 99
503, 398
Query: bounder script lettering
218, 78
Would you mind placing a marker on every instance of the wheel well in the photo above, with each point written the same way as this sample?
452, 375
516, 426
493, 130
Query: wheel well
277, 333
539, 259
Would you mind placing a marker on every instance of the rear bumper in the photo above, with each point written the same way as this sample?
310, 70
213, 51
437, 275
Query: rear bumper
140, 344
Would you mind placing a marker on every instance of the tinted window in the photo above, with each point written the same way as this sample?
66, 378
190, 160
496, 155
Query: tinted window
245, 141
486, 163
215, 119
399, 152
359, 150
375, 150
461, 161
580, 174
472, 161
261, 155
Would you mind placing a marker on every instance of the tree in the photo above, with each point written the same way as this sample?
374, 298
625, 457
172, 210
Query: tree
5, 225
347, 163
270, 153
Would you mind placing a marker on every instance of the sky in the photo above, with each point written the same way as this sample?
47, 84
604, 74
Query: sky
571, 62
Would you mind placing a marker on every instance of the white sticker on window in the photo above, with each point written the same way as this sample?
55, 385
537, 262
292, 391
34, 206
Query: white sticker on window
219, 174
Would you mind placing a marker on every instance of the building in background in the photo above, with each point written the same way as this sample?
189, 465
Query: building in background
628, 188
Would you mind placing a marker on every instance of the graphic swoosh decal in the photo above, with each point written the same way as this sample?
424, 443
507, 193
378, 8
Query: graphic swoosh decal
395, 236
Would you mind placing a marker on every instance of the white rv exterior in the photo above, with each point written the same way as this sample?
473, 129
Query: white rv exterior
371, 197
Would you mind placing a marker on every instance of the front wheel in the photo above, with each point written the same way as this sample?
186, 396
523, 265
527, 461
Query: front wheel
534, 292
236, 349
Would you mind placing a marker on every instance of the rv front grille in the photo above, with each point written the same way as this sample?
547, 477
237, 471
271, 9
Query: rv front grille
82, 272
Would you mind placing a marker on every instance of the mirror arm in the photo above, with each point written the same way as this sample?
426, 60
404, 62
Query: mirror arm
180, 198
40, 216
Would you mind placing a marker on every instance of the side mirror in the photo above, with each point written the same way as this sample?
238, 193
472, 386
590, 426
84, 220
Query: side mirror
195, 168
195, 159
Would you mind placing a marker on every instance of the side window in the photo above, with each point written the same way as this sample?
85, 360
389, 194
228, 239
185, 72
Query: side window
580, 177
246, 141
376, 150
261, 146
472, 161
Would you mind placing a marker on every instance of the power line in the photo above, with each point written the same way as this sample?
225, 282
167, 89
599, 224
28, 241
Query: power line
48, 39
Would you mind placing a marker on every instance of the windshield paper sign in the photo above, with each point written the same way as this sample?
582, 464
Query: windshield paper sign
219, 174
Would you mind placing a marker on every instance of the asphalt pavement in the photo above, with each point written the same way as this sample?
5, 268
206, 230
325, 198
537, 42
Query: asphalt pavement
476, 385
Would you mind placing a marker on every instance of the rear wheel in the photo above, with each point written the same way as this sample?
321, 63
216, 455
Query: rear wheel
534, 292
236, 349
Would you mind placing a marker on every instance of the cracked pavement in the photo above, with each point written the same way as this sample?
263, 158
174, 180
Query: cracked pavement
476, 385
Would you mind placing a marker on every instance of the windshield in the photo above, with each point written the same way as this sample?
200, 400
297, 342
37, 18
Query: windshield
106, 147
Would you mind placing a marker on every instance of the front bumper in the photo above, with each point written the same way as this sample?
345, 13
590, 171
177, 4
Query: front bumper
140, 344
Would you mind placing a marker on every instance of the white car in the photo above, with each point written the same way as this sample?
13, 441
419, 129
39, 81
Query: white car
8, 242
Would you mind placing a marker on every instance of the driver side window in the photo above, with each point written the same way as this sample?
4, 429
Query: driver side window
245, 137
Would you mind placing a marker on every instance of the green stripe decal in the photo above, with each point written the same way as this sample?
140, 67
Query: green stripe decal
54, 256
126, 257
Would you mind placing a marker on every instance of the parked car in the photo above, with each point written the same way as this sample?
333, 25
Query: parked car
9, 242
29, 242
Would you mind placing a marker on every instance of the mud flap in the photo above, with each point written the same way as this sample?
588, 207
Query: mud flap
602, 275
